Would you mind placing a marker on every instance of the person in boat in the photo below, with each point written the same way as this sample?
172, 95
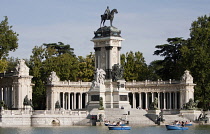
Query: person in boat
182, 124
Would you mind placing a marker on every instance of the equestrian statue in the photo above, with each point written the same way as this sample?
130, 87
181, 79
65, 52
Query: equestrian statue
108, 16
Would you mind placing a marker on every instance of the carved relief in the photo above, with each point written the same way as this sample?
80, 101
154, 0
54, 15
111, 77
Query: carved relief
98, 78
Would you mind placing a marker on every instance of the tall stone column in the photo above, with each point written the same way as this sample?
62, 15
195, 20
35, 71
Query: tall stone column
170, 100
152, 93
146, 103
159, 100
140, 100
69, 100
81, 100
164, 100
75, 97
13, 97
63, 100
72, 101
134, 100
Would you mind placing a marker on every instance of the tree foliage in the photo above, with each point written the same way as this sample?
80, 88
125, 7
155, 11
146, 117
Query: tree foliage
197, 58
171, 66
8, 42
61, 59
8, 39
134, 66
86, 68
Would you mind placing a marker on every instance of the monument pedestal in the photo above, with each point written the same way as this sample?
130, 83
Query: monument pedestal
113, 93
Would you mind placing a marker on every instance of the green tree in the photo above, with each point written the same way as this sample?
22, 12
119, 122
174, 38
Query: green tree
153, 69
43, 61
39, 77
196, 55
134, 66
8, 39
86, 68
172, 67
8, 42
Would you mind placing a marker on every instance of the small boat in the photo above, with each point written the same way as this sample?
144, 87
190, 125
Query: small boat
175, 127
109, 124
188, 124
119, 127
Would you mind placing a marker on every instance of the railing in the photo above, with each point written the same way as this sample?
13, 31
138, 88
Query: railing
147, 82
60, 112
69, 83
42, 112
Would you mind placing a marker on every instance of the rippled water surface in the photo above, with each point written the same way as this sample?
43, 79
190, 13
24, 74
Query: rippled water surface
102, 130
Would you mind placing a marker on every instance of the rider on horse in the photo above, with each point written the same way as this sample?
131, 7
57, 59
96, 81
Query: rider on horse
107, 12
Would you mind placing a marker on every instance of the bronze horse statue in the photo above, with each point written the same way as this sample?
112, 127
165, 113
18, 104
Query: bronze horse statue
110, 17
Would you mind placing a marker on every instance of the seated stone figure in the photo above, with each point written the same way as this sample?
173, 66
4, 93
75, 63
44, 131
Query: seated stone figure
154, 105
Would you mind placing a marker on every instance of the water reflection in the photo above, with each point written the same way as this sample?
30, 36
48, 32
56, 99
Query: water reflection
101, 130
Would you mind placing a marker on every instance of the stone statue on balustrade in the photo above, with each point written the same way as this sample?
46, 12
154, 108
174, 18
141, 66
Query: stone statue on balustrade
117, 72
53, 78
187, 77
99, 77
21, 69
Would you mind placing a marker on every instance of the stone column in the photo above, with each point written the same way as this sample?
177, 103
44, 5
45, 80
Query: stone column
170, 100
75, 96
63, 100
159, 100
152, 93
164, 100
13, 97
72, 100
134, 100
68, 101
146, 105
81, 100
2, 94
78, 100
140, 100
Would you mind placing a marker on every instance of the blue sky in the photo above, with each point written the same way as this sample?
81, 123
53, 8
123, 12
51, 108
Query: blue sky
144, 23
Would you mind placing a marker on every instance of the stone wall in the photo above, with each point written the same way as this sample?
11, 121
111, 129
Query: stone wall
10, 118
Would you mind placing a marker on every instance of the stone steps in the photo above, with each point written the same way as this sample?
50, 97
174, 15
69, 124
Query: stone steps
133, 116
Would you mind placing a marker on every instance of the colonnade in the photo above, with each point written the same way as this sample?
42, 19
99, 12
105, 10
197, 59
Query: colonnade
166, 100
72, 100
7, 96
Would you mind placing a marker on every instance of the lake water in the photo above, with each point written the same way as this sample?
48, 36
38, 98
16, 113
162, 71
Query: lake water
103, 130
